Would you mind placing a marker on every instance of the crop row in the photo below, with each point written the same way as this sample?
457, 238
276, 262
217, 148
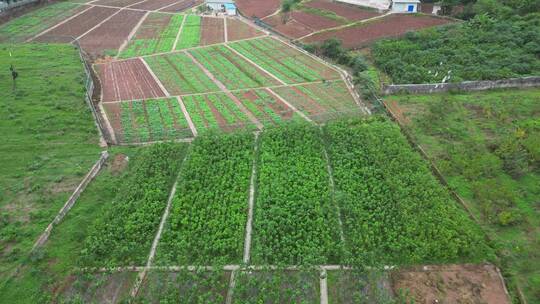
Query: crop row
230, 69
266, 107
208, 216
124, 232
180, 75
191, 33
161, 40
35, 22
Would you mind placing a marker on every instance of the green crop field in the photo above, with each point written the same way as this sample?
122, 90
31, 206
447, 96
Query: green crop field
266, 107
31, 24
191, 33
163, 28
487, 146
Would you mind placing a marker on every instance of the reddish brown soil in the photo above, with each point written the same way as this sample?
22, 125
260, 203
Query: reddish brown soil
451, 284
127, 80
114, 114
280, 108
397, 112
78, 25
119, 163
341, 9
276, 106
257, 8
212, 30
111, 34
182, 6
291, 29
238, 30
152, 26
426, 8
391, 26
153, 4
117, 3
314, 22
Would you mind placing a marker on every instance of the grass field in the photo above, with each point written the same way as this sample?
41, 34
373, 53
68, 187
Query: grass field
49, 142
487, 146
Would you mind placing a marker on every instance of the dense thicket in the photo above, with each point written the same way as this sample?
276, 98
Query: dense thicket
123, 234
394, 211
484, 48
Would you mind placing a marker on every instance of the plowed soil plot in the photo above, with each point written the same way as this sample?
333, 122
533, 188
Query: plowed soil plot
78, 25
127, 80
117, 3
181, 6
258, 8
153, 4
212, 31
347, 11
391, 26
451, 284
238, 30
291, 28
314, 21
110, 35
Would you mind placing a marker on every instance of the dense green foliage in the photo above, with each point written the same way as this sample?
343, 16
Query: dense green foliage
394, 211
295, 216
208, 217
49, 142
480, 49
191, 33
487, 145
124, 233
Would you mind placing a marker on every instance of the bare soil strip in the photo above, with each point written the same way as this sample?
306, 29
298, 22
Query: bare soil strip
97, 25
323, 287
212, 30
251, 203
186, 115
132, 33
225, 31
300, 113
59, 24
156, 79
153, 4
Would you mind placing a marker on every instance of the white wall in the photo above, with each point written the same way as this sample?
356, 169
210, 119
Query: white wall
403, 7
378, 4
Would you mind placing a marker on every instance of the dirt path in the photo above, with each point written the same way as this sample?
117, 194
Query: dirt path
323, 287
288, 104
179, 33
131, 34
251, 203
156, 79
255, 64
186, 115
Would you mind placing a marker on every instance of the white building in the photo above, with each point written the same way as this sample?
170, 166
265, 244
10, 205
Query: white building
222, 6
405, 6
381, 5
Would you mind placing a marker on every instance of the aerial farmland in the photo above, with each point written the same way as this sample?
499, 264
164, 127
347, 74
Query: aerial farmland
250, 151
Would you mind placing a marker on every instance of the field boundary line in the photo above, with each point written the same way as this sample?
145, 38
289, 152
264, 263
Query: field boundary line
136, 3
255, 64
72, 200
156, 79
58, 24
149, 143
102, 109
131, 34
323, 286
304, 116
142, 275
220, 85
169, 5
225, 33
99, 24
251, 203
187, 116
230, 290
179, 33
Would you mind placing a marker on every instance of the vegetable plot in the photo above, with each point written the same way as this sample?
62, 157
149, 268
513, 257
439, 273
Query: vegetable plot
180, 75
208, 216
394, 211
295, 219
215, 111
123, 235
267, 107
286, 63
156, 35
230, 69
191, 33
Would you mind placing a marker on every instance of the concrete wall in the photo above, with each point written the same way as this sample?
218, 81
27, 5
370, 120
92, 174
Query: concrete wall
4, 6
524, 82
403, 7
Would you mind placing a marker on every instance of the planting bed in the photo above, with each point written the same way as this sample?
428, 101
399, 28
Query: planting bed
181, 6
238, 30
191, 33
257, 8
212, 30
266, 107
31, 24
351, 12
230, 69
314, 22
180, 75
127, 80
292, 28
98, 288
117, 3
320, 101
390, 26
149, 120
208, 215
78, 25
152, 5
109, 36
215, 111
283, 61
155, 35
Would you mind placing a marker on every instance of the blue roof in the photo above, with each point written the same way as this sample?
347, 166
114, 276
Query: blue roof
230, 6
